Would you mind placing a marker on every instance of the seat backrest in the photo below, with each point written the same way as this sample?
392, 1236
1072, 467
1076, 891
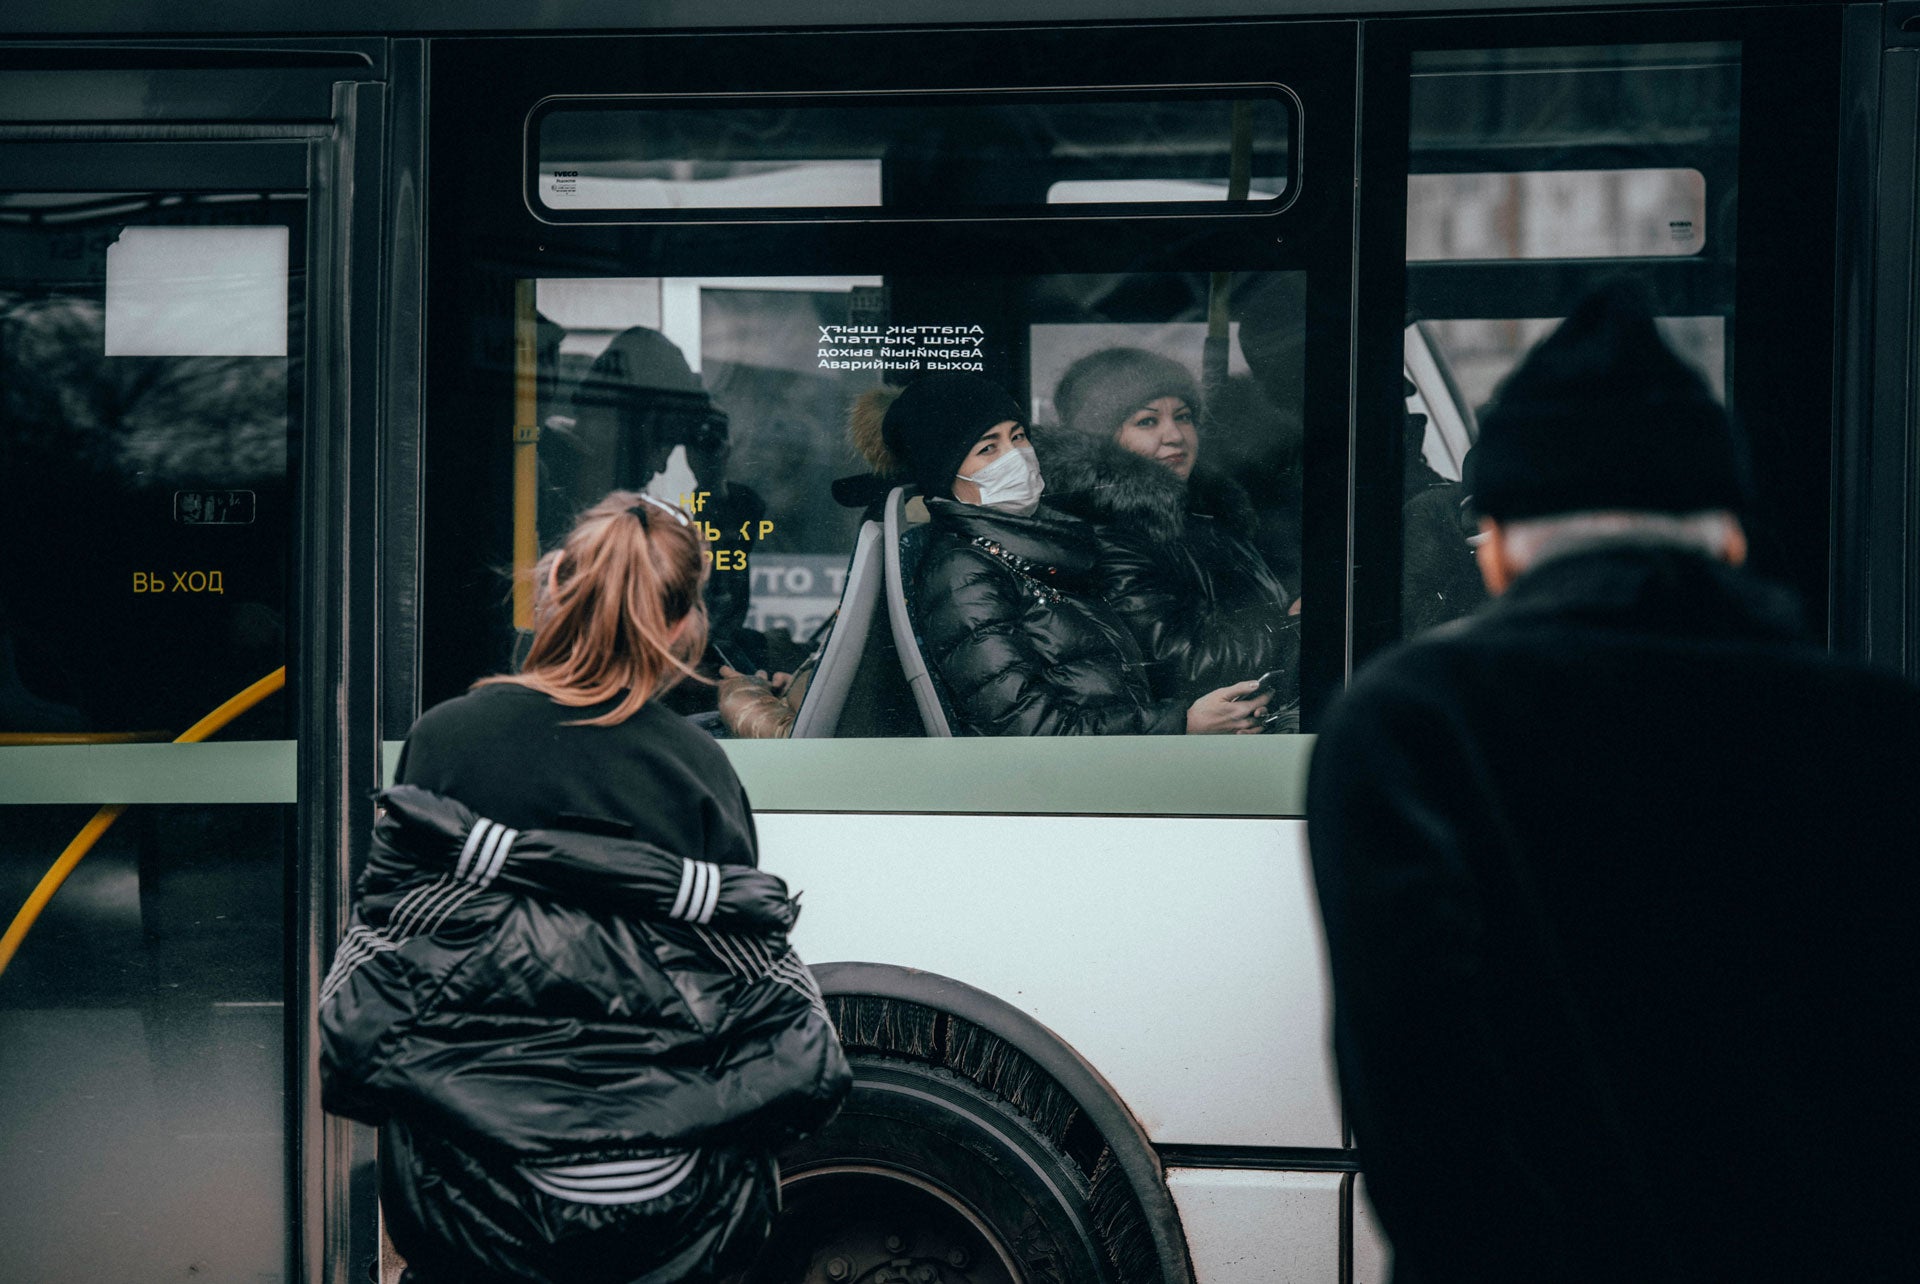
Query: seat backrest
904, 544
826, 696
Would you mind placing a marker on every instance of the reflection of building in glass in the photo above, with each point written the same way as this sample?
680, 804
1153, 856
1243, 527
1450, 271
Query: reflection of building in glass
1557, 214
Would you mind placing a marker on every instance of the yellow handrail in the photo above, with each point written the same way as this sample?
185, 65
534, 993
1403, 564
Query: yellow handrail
103, 819
526, 450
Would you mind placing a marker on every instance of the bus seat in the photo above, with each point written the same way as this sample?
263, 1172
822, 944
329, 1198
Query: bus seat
833, 677
905, 541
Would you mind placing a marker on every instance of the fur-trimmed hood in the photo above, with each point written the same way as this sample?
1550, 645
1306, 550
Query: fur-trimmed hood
1097, 479
865, 418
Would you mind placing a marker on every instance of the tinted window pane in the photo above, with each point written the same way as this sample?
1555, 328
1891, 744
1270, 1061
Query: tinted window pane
1536, 174
143, 1048
145, 386
921, 157
730, 395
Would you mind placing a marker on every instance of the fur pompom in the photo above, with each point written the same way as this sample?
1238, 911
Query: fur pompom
864, 423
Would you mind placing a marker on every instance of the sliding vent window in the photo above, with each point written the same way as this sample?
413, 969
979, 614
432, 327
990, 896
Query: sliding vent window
1060, 153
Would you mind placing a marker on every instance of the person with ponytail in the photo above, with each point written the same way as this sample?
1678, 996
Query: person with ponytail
580, 732
565, 995
1006, 598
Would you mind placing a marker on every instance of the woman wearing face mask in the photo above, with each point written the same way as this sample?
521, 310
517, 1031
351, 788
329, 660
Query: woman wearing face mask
1175, 560
1004, 596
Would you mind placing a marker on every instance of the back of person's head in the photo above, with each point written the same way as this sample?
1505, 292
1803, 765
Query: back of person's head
1101, 389
1603, 416
617, 608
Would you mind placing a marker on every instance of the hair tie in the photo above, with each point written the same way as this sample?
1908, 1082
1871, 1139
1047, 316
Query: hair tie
639, 510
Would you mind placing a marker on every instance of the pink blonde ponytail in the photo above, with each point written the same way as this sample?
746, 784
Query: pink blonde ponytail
617, 608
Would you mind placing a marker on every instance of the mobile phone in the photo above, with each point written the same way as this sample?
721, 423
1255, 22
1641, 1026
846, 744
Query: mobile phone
1270, 682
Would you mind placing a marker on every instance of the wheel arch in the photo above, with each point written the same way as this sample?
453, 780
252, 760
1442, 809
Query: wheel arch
1102, 1107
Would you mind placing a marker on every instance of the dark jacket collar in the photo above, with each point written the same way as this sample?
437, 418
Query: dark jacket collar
1652, 589
1049, 537
1099, 480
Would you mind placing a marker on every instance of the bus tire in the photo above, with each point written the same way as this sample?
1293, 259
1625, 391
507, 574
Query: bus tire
923, 1178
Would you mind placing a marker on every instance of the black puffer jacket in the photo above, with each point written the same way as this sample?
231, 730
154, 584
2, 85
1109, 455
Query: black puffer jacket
584, 1050
1014, 627
1176, 565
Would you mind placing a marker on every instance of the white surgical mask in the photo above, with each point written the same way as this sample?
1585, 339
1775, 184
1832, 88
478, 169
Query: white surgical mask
1011, 483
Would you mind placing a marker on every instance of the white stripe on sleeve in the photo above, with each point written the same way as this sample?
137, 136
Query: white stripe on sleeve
475, 837
687, 875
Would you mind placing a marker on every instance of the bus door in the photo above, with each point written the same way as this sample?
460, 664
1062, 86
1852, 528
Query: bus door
671, 263
168, 607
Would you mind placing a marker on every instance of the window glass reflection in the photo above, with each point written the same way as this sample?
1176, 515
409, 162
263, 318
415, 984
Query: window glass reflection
143, 1049
730, 396
921, 155
1535, 175
157, 437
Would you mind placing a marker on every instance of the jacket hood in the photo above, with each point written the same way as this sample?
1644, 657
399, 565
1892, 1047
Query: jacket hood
1656, 590
1049, 537
1101, 481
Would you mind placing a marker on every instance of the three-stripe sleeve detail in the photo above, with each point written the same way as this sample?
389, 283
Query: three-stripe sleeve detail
630, 1181
422, 911
754, 959
485, 851
699, 893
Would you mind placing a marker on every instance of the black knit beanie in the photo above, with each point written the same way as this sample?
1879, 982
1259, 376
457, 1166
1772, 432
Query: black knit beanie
1100, 390
1603, 415
935, 421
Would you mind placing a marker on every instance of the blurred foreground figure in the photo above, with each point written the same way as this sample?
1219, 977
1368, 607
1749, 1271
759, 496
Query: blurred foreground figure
1618, 874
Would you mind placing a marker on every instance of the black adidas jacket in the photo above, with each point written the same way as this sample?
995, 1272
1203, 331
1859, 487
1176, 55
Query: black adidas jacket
584, 1051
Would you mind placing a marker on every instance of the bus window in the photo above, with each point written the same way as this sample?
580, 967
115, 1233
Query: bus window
730, 396
941, 156
1535, 174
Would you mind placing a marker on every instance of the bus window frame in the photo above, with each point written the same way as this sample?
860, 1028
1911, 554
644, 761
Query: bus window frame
1787, 94
484, 89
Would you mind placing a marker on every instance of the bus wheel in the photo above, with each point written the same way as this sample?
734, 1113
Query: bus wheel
922, 1178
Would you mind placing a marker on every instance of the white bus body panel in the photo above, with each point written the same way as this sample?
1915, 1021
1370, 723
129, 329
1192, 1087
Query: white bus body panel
1181, 957
1247, 1226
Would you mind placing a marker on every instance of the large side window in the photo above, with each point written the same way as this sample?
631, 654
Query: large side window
1545, 156
1534, 174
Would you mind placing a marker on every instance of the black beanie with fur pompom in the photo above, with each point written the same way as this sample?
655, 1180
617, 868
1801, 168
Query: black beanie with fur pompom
929, 428
1602, 415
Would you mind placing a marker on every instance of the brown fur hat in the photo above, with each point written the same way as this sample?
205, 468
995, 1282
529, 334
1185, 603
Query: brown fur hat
864, 421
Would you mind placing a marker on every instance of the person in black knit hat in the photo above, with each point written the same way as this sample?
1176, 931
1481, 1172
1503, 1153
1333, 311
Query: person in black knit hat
1603, 416
1004, 598
1177, 561
1595, 862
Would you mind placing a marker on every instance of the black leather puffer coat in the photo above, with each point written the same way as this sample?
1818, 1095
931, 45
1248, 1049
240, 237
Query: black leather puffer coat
584, 1051
1013, 626
1176, 565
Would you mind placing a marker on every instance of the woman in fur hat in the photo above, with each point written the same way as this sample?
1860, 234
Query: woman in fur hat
1176, 562
1004, 596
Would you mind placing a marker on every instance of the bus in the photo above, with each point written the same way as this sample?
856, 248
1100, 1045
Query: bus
318, 323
